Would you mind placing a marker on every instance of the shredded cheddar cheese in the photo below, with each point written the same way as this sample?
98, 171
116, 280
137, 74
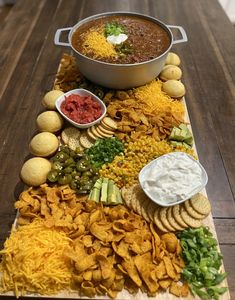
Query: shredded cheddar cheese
33, 260
157, 100
97, 43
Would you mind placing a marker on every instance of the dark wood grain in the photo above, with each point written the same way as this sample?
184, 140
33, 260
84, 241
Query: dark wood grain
29, 60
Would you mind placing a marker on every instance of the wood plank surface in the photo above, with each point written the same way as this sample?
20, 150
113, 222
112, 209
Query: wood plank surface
28, 63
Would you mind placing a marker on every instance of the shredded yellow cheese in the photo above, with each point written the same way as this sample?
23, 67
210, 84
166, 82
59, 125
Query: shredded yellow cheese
157, 100
97, 43
33, 260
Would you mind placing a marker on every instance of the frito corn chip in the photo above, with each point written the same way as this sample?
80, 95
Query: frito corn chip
130, 268
88, 289
169, 267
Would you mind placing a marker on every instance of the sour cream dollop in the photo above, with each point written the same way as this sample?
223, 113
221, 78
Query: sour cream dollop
117, 39
173, 177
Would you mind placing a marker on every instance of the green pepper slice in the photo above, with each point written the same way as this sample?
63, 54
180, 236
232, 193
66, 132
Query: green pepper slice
52, 176
64, 179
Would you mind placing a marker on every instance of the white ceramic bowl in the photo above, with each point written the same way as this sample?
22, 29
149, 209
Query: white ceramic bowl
144, 174
83, 93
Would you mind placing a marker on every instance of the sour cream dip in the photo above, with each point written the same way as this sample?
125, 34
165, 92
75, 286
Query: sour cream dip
172, 178
117, 39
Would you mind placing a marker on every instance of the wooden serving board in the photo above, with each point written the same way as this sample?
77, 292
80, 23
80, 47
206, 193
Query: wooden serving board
125, 295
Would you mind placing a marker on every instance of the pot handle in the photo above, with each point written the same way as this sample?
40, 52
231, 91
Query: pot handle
183, 33
57, 36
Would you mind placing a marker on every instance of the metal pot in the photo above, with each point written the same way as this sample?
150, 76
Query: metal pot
120, 76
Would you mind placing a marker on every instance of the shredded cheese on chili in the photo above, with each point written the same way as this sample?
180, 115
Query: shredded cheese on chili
33, 260
157, 100
97, 43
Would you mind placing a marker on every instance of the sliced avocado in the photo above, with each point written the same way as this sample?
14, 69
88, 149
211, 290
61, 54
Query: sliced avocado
104, 190
189, 141
178, 135
176, 143
172, 135
110, 191
186, 146
183, 126
94, 195
98, 183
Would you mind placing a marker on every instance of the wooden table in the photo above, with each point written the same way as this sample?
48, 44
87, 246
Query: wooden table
29, 60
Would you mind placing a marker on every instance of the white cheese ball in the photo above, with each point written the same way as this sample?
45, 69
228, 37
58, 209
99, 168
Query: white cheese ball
34, 171
172, 59
50, 98
44, 144
50, 121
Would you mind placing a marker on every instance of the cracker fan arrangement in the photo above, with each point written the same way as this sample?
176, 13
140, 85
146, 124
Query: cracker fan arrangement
86, 225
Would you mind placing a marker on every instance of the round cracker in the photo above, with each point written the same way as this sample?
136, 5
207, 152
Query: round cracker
201, 204
109, 122
188, 219
85, 141
144, 209
163, 218
151, 209
138, 195
158, 222
106, 126
91, 135
129, 197
105, 130
125, 196
172, 221
69, 132
193, 213
103, 134
139, 203
74, 143
177, 216
95, 133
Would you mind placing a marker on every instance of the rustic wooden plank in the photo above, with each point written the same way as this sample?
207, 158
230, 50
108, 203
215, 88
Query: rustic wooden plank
225, 229
37, 76
15, 30
228, 252
4, 11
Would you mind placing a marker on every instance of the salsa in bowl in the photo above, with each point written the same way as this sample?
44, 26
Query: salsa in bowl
81, 108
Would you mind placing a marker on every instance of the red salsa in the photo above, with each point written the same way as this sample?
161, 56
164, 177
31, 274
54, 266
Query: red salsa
81, 109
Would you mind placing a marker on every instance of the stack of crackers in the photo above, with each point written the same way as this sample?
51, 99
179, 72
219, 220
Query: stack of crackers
167, 219
74, 137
